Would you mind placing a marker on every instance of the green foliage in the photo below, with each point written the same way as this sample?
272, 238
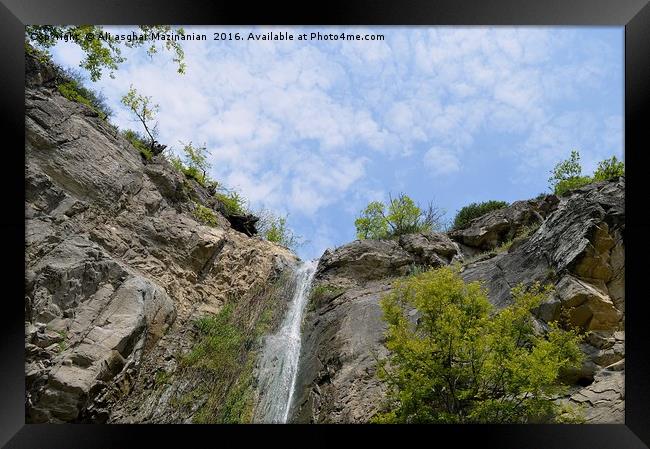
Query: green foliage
138, 142
567, 169
522, 234
608, 169
233, 202
218, 344
462, 362
475, 210
177, 163
563, 186
196, 163
162, 377
415, 269
43, 56
205, 214
63, 343
567, 175
219, 353
372, 224
322, 293
224, 354
401, 216
101, 54
274, 229
145, 111
70, 85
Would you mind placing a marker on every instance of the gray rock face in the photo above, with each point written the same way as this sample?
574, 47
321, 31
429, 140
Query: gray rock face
433, 250
578, 247
117, 266
364, 260
492, 229
341, 342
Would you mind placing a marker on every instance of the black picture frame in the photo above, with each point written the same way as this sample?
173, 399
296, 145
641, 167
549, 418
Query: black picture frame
634, 15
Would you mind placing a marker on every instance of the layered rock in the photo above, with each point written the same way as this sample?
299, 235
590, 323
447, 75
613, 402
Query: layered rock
118, 267
494, 228
574, 242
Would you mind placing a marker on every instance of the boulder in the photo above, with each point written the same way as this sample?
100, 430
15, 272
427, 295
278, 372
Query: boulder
496, 227
587, 306
604, 400
430, 249
364, 260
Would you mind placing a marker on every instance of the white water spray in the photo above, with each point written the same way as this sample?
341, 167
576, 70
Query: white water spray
279, 360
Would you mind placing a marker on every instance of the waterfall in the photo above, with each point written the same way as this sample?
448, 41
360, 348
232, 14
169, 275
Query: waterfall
278, 366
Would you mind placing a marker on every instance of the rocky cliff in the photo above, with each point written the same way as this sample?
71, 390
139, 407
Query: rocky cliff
574, 242
137, 310
119, 269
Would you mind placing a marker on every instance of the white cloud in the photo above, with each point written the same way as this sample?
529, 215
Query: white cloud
441, 161
295, 125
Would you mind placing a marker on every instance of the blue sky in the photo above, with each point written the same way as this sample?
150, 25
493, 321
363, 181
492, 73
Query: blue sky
316, 130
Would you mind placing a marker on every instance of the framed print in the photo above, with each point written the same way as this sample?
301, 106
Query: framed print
371, 216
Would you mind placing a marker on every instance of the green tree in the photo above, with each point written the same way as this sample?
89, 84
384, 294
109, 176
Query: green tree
102, 54
567, 175
608, 169
143, 108
475, 210
401, 216
462, 362
372, 224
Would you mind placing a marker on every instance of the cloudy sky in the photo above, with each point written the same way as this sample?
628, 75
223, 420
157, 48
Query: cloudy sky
316, 130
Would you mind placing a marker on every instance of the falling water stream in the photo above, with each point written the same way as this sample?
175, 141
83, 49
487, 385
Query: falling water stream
279, 360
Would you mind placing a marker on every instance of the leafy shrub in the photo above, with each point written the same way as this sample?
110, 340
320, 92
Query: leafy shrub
139, 143
565, 185
567, 175
194, 164
475, 210
372, 224
221, 362
274, 229
162, 377
205, 214
42, 55
608, 169
218, 352
233, 202
70, 85
401, 216
462, 362
177, 163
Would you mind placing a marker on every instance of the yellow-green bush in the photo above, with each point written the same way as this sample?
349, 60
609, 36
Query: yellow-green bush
464, 362
139, 143
205, 214
70, 84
